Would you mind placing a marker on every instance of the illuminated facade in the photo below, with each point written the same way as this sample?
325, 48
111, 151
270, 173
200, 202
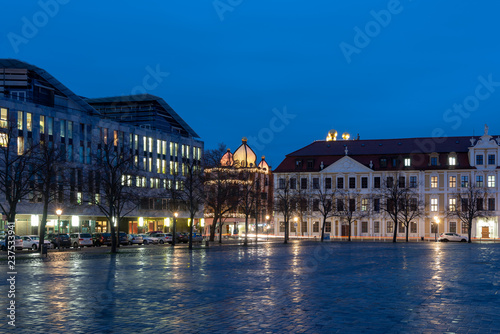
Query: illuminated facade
244, 162
44, 109
435, 168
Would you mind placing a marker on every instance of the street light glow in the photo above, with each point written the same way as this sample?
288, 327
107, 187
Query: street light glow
59, 212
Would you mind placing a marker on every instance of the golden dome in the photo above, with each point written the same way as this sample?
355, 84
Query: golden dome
244, 156
227, 159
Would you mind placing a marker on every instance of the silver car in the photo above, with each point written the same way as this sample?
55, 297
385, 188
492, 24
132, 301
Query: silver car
32, 242
147, 239
450, 236
135, 239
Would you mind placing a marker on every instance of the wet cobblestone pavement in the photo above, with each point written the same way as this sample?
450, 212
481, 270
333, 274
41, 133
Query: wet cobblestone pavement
303, 287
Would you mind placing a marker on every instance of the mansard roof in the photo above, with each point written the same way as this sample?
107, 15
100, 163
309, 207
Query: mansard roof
321, 154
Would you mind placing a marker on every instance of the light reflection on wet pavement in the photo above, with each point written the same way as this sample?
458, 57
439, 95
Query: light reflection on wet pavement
303, 287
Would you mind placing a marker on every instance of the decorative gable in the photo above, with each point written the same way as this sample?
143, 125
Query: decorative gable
346, 165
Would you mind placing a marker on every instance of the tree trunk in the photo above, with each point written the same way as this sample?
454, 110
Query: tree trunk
407, 232
286, 232
394, 237
323, 229
212, 229
191, 233
41, 232
470, 231
349, 234
174, 232
245, 243
221, 225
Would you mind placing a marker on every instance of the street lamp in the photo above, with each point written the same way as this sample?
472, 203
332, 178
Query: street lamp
174, 234
59, 213
267, 226
436, 218
295, 220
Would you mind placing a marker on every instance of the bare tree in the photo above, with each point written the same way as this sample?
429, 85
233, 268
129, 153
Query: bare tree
49, 161
175, 199
349, 207
111, 183
469, 205
192, 191
248, 198
411, 207
392, 194
323, 201
219, 188
285, 202
17, 168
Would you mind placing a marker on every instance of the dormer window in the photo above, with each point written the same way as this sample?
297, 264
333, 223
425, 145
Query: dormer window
298, 164
452, 161
407, 162
479, 159
434, 159
383, 163
310, 164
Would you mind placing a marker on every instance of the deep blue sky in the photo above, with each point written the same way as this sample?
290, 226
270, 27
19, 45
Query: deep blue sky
227, 75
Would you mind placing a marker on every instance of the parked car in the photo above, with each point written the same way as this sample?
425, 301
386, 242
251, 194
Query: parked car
182, 237
147, 239
135, 239
81, 240
32, 242
197, 237
162, 237
123, 240
100, 239
450, 236
4, 243
59, 240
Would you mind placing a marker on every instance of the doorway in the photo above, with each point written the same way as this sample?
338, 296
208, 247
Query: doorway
345, 230
485, 232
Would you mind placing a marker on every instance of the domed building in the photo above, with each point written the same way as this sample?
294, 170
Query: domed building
240, 168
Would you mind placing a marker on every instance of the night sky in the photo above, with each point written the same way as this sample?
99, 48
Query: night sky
281, 73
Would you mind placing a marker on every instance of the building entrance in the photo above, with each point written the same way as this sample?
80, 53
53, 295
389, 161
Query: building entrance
485, 232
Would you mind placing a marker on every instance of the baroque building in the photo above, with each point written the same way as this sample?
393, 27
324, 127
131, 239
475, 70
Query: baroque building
44, 110
237, 172
435, 169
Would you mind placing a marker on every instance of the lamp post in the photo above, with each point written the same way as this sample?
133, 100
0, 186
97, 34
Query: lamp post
267, 226
58, 213
174, 233
436, 218
295, 224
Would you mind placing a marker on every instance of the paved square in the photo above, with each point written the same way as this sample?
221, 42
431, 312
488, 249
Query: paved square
303, 287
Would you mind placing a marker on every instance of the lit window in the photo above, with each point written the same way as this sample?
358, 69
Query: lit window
434, 181
20, 120
452, 204
491, 181
407, 162
158, 146
452, 161
144, 144
29, 123
20, 145
150, 144
3, 117
453, 181
434, 204
364, 204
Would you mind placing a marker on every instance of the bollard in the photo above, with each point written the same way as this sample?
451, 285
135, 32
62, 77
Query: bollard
206, 243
